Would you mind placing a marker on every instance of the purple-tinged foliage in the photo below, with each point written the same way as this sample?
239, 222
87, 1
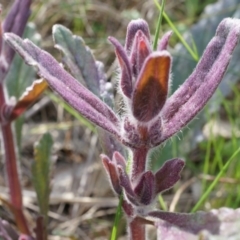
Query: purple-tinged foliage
111, 169
151, 117
71, 90
145, 189
223, 222
168, 174
175, 112
163, 44
190, 98
132, 29
15, 22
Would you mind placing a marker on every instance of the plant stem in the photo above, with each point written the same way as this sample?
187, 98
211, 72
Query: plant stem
137, 230
139, 162
11, 169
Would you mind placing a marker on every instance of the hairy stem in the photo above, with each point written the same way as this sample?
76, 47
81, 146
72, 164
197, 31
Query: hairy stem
139, 162
137, 230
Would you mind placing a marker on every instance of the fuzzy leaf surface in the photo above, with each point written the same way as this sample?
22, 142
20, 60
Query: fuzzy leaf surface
223, 223
20, 76
15, 22
193, 95
65, 85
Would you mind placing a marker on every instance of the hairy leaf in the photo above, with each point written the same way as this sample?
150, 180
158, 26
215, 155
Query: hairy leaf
223, 223
65, 85
151, 89
126, 73
168, 174
41, 172
111, 169
192, 96
20, 76
77, 57
15, 22
184, 64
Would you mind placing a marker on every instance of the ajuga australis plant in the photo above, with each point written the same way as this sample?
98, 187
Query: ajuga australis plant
151, 118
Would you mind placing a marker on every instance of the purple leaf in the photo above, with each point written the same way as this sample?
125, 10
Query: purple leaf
118, 159
65, 85
15, 22
111, 170
223, 222
127, 186
170, 232
128, 208
162, 45
132, 29
126, 73
192, 96
145, 188
140, 50
168, 174
17, 17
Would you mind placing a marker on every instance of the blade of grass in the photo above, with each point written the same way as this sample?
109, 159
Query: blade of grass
158, 26
194, 46
218, 148
170, 23
214, 183
207, 156
162, 202
117, 219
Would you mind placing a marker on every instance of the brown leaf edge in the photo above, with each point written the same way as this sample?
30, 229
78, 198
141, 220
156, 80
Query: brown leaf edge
30, 95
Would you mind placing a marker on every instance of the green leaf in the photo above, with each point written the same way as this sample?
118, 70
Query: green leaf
118, 216
41, 171
77, 57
